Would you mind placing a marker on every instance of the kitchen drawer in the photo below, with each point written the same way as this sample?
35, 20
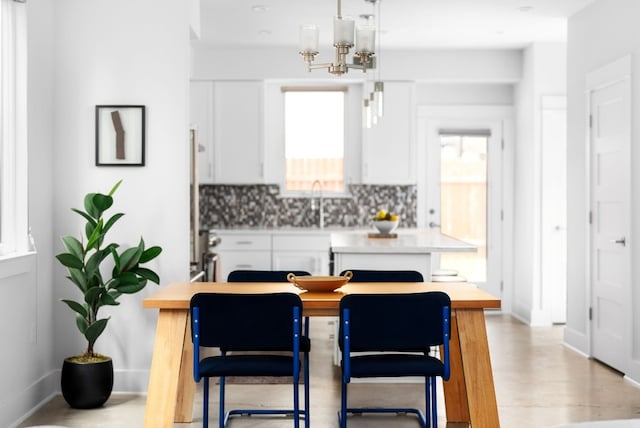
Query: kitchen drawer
252, 260
244, 241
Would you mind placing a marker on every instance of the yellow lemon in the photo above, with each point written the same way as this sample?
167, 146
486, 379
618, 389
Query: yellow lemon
382, 214
394, 217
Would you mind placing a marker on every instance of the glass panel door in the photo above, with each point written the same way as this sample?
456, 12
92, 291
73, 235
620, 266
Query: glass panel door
463, 202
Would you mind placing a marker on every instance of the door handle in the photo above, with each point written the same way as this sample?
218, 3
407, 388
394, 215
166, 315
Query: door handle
433, 224
622, 241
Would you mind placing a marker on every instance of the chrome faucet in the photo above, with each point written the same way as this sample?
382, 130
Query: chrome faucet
313, 201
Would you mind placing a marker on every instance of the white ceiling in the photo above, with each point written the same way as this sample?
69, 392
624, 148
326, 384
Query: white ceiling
404, 23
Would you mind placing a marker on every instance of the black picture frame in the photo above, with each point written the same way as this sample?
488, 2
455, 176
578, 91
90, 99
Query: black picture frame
120, 135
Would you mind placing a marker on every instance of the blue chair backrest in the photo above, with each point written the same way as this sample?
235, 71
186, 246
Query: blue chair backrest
362, 275
395, 322
246, 321
262, 275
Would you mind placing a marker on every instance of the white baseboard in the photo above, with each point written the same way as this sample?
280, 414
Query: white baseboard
25, 403
576, 340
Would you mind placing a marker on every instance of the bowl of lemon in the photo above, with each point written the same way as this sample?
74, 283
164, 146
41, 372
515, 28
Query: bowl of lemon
385, 222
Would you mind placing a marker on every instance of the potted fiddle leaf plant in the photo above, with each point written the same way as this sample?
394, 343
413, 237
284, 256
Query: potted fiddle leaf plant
102, 272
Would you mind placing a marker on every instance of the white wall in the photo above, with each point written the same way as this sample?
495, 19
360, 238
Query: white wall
123, 52
497, 66
81, 54
605, 31
543, 74
458, 94
26, 363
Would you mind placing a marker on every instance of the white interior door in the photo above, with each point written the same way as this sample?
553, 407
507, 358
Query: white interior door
554, 207
464, 198
610, 247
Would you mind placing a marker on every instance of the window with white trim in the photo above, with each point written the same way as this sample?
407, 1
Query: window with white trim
13, 128
314, 138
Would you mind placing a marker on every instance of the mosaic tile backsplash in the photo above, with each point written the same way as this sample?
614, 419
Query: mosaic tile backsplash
261, 206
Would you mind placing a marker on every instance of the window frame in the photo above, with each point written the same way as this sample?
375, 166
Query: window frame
14, 223
316, 89
274, 118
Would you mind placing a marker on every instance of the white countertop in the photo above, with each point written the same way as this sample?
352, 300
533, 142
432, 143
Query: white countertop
409, 241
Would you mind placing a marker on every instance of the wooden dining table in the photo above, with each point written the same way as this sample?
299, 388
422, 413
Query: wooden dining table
469, 394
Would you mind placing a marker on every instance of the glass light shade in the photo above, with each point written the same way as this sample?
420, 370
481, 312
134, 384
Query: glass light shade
374, 107
366, 114
378, 92
343, 31
365, 38
309, 38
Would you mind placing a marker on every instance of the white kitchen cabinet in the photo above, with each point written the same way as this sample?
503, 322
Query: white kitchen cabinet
243, 250
273, 250
389, 148
301, 251
238, 132
201, 119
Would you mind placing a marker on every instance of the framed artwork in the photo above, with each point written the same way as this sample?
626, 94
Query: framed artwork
120, 135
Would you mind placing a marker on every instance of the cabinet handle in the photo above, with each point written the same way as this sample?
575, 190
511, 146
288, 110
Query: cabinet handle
244, 266
244, 242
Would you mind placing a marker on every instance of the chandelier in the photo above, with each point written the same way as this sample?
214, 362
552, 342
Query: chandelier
344, 29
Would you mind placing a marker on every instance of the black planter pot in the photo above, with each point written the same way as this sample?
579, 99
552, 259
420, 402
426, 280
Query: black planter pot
86, 385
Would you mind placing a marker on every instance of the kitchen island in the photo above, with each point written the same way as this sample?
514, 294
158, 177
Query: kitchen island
411, 249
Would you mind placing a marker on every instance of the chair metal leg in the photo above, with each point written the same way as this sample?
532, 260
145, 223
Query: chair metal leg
342, 416
307, 407
296, 405
222, 418
427, 400
434, 403
205, 404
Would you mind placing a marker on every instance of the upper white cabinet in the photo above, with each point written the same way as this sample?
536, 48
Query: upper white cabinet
229, 120
238, 132
201, 119
389, 148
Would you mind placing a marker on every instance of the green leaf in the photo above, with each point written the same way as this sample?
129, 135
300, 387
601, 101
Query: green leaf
69, 260
107, 299
82, 323
150, 254
92, 265
95, 330
115, 294
89, 207
134, 288
95, 238
116, 261
77, 277
111, 222
77, 307
93, 295
102, 202
73, 246
127, 278
87, 217
130, 257
115, 187
148, 274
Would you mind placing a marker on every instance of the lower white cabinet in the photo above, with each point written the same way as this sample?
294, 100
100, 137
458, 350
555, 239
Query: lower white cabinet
244, 250
273, 250
300, 251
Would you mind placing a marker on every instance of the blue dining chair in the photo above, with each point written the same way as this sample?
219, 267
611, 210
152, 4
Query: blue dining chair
269, 325
253, 275
396, 332
249, 275
371, 275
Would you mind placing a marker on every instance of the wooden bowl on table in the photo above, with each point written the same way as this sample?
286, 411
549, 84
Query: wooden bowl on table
319, 283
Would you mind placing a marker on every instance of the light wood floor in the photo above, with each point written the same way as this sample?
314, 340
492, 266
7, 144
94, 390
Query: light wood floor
539, 383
